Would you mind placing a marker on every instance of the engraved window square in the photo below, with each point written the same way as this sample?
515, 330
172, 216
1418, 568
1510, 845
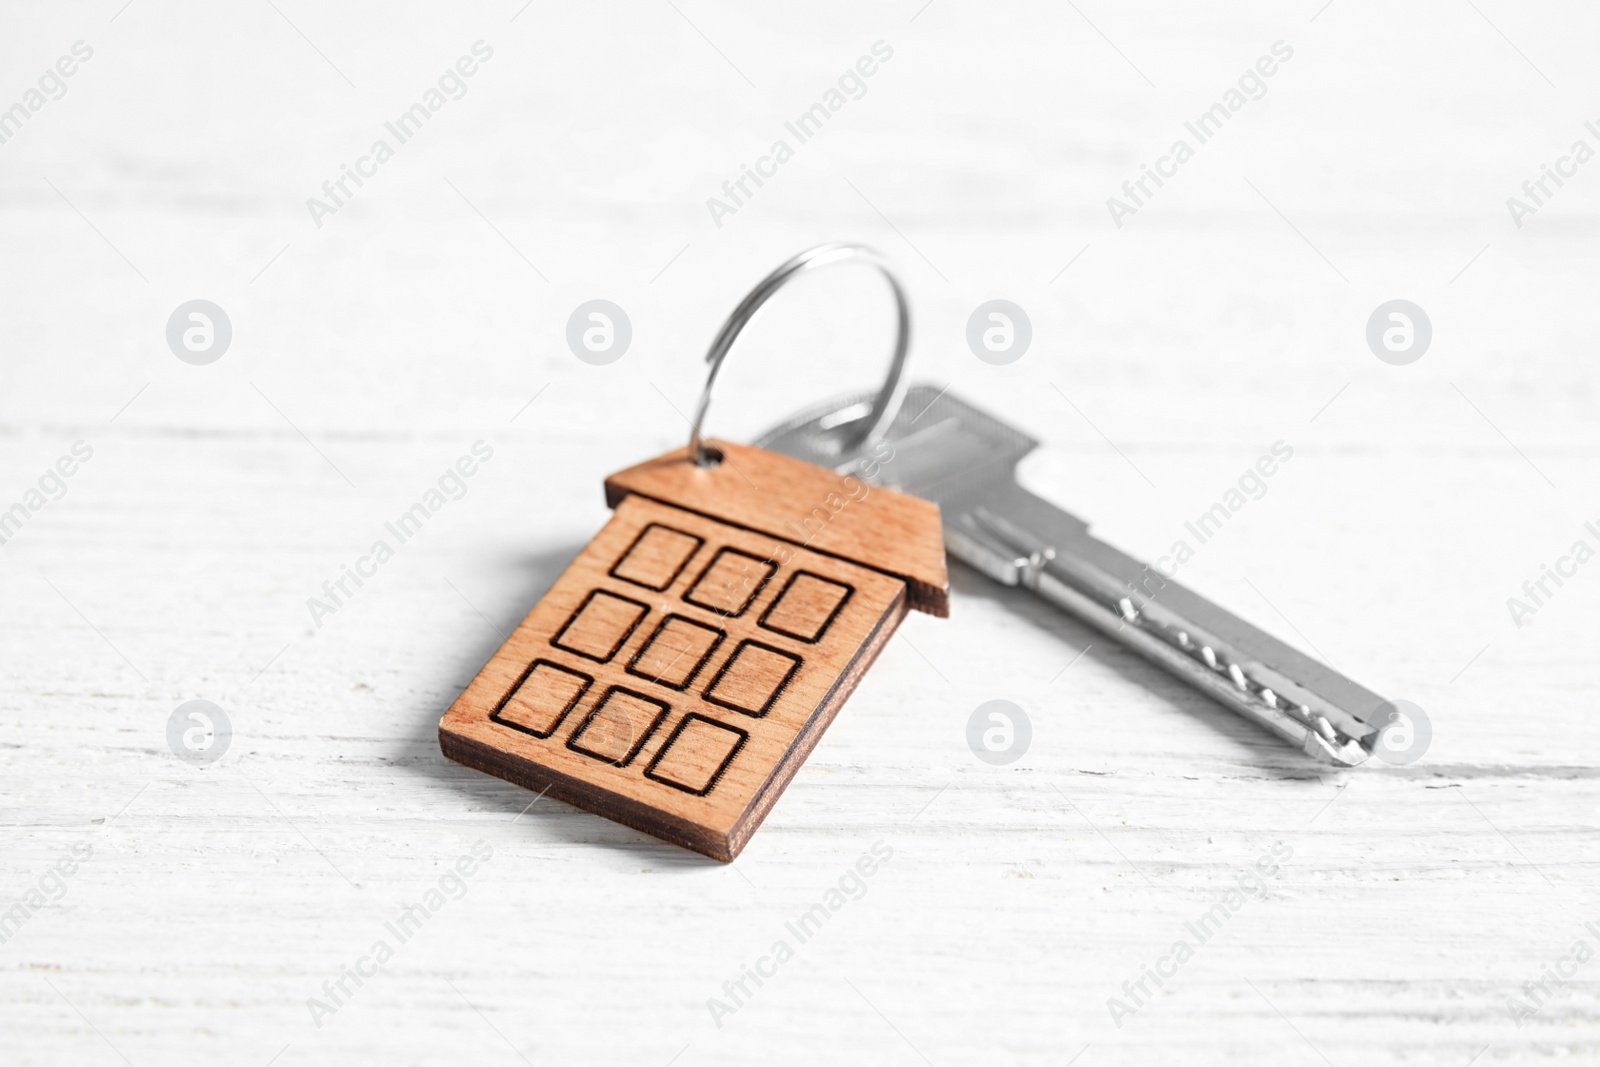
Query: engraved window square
542, 699
752, 679
696, 755
617, 728
806, 607
730, 582
656, 557
600, 625
674, 654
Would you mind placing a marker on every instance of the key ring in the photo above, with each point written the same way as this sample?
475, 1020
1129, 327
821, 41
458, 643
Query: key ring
881, 410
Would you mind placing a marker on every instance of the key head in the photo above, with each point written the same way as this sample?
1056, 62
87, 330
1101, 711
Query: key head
944, 449
939, 447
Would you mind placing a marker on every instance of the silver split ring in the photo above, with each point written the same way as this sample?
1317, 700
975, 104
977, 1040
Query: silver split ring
868, 425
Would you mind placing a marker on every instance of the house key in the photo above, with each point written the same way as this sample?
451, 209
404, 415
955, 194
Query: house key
945, 450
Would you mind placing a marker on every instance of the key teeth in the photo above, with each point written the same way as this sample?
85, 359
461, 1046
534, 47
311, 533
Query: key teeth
1322, 738
1349, 754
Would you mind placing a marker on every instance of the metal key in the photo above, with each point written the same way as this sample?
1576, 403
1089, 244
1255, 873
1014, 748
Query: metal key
945, 450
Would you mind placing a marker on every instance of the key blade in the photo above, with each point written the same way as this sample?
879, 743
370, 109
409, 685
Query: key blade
944, 449
1307, 703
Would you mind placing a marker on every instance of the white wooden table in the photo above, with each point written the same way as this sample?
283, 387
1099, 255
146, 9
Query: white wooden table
1409, 904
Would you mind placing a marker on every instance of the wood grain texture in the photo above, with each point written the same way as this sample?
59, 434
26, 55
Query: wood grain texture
679, 670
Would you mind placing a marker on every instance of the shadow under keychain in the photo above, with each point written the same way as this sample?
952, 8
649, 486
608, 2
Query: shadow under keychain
681, 669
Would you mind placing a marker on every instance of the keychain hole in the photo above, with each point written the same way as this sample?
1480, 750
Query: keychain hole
710, 456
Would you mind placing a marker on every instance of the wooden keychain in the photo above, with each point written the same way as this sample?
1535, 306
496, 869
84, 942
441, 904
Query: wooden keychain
681, 668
